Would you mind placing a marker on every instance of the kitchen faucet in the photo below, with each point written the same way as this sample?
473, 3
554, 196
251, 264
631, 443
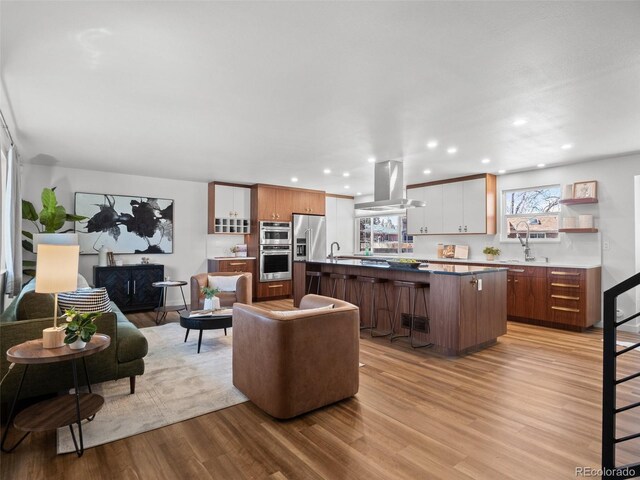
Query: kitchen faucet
331, 255
525, 244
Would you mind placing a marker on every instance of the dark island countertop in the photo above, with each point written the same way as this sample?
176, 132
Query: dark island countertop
439, 269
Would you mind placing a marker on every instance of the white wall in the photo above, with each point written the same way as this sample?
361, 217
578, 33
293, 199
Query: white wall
613, 217
190, 213
637, 215
220, 245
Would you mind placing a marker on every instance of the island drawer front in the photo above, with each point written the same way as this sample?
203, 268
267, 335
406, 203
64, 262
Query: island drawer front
526, 271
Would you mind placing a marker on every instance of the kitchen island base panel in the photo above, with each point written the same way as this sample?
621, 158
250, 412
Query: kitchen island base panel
464, 315
548, 324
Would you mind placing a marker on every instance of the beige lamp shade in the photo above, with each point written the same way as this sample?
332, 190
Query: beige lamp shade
57, 268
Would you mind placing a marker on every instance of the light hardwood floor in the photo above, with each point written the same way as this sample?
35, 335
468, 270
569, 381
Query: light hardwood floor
526, 408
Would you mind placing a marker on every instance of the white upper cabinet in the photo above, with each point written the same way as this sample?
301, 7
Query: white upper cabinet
339, 218
455, 207
416, 216
231, 209
474, 210
242, 202
224, 201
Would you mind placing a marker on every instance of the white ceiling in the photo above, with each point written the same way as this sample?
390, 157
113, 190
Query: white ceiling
261, 92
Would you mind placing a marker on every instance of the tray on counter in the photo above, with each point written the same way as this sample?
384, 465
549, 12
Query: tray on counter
406, 265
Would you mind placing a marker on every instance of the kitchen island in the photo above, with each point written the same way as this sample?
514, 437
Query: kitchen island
466, 306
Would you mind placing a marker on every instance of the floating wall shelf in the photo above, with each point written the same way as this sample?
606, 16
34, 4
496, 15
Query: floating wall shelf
578, 201
578, 230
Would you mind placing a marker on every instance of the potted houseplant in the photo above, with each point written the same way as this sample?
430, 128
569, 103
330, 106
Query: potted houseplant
491, 252
211, 302
80, 328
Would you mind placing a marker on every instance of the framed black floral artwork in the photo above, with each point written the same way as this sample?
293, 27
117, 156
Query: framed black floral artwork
124, 224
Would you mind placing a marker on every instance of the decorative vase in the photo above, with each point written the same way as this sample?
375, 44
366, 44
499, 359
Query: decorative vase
212, 303
102, 256
79, 344
490, 258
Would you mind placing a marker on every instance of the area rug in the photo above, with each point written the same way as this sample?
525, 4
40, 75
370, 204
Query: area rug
178, 384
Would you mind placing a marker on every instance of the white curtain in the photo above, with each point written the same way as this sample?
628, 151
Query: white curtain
12, 224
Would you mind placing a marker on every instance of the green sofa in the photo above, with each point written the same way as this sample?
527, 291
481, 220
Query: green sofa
25, 319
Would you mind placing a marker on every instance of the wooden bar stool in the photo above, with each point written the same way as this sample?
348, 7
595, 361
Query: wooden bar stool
318, 276
336, 277
373, 320
412, 288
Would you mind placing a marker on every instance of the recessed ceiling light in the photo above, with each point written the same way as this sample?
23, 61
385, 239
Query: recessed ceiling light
431, 144
567, 146
347, 187
294, 179
327, 171
358, 193
540, 165
486, 160
452, 150
371, 159
518, 122
502, 171
345, 174
426, 172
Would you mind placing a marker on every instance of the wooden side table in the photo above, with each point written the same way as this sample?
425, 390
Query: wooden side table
61, 411
162, 307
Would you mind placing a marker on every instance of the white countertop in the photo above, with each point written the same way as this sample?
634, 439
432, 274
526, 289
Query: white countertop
509, 261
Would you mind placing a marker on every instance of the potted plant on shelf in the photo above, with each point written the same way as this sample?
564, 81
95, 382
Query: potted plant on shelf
491, 252
211, 302
80, 328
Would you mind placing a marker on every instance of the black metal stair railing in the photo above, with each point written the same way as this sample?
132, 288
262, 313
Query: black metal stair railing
610, 383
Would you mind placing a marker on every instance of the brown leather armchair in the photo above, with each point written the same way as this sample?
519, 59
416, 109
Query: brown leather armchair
227, 299
291, 365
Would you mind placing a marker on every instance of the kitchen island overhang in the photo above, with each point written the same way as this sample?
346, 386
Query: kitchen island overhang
466, 306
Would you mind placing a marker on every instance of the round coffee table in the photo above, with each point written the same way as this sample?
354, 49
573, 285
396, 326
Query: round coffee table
205, 322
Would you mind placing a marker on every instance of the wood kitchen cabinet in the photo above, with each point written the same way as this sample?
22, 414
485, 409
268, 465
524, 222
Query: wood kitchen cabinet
279, 288
573, 296
526, 292
465, 205
567, 298
239, 264
274, 203
308, 202
130, 286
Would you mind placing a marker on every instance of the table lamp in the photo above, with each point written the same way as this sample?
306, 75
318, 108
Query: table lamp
56, 271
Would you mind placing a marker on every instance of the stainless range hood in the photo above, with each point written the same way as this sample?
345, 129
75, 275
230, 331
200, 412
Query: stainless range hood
388, 189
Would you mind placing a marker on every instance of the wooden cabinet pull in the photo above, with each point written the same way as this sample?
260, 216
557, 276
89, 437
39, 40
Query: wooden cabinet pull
565, 297
569, 274
238, 263
275, 286
566, 285
517, 270
515, 280
565, 309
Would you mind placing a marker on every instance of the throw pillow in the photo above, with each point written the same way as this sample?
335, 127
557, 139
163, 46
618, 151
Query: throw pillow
224, 283
86, 300
294, 313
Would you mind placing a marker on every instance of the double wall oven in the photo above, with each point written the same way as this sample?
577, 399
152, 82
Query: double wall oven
275, 251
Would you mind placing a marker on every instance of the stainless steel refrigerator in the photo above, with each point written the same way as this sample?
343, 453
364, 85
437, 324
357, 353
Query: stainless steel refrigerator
309, 237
